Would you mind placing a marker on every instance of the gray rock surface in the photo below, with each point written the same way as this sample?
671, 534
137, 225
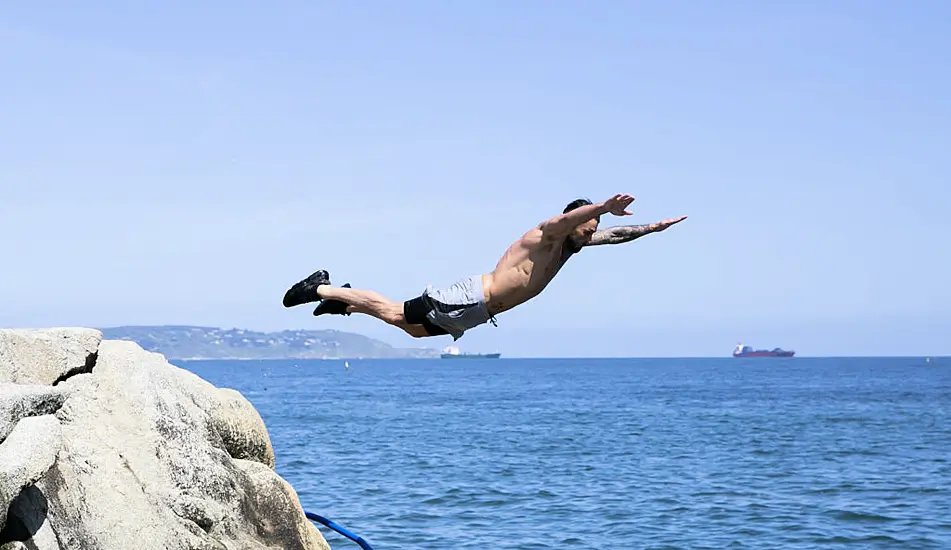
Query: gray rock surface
241, 428
149, 456
44, 356
18, 401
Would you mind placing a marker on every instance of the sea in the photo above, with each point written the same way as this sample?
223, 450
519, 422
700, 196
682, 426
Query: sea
612, 453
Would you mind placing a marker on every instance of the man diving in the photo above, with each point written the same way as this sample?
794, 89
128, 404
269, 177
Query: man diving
525, 269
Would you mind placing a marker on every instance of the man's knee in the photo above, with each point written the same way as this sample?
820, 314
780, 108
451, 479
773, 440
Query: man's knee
394, 316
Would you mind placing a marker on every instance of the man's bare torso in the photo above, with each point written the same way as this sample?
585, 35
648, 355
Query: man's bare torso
525, 269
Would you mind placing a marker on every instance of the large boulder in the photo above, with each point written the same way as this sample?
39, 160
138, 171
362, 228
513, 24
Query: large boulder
143, 455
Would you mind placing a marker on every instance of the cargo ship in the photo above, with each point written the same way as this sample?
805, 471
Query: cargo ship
453, 352
747, 351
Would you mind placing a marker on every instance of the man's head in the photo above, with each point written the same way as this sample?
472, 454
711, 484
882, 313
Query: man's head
582, 234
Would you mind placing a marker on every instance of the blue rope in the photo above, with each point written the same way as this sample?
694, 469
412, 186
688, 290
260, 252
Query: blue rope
320, 519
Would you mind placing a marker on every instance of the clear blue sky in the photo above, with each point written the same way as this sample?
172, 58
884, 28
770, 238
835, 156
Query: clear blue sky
186, 163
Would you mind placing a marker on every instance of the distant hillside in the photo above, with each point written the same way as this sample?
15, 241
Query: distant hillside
190, 342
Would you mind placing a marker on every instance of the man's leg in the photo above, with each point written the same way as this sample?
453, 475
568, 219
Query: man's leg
374, 304
357, 301
364, 301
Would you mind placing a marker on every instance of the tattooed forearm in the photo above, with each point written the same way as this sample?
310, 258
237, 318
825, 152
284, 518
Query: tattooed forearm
625, 233
621, 234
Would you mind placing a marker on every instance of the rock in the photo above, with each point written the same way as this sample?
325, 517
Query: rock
46, 356
19, 401
154, 457
241, 428
269, 495
27, 454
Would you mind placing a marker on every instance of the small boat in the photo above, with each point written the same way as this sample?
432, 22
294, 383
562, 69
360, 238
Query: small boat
452, 352
748, 351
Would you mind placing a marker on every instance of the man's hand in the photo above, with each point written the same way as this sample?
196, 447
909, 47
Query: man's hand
617, 205
660, 226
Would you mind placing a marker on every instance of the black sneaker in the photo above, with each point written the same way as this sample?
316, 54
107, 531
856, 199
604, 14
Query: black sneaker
306, 290
332, 307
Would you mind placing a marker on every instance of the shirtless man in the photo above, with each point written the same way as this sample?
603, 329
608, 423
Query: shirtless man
524, 271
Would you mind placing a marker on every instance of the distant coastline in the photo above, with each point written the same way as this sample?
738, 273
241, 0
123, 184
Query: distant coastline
202, 343
286, 358
199, 343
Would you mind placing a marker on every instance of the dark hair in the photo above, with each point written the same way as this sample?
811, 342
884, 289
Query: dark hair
577, 203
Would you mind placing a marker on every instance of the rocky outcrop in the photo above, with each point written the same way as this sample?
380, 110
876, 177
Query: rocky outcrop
104, 445
46, 356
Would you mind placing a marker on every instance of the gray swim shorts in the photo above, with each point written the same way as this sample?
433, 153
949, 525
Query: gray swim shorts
454, 309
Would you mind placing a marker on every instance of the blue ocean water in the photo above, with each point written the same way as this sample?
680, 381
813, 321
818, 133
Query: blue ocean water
606, 453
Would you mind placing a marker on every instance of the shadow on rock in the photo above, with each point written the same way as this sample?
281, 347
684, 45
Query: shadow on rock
26, 516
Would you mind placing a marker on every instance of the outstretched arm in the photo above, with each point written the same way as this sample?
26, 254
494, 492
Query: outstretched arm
561, 225
625, 233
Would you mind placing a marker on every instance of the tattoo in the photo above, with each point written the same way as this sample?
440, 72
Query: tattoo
621, 234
